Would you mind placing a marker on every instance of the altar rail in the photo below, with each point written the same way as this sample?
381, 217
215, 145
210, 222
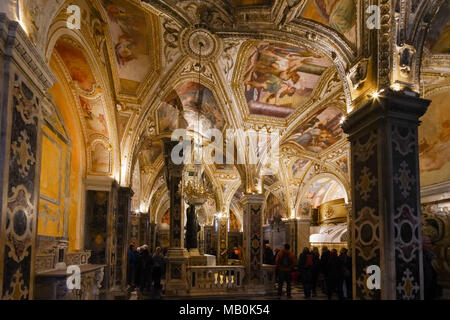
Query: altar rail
215, 279
269, 277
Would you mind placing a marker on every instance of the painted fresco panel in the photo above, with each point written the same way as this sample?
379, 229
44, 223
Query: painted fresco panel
128, 25
337, 14
76, 64
320, 132
280, 78
434, 142
299, 167
438, 36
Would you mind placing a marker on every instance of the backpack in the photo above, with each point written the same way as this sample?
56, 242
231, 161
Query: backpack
285, 260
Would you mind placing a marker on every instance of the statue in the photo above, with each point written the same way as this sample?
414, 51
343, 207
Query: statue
192, 228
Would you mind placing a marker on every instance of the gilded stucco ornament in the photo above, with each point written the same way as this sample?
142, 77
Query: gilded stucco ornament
199, 41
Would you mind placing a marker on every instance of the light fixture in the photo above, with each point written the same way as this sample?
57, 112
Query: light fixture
196, 191
375, 95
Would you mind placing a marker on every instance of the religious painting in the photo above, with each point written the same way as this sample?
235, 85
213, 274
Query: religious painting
234, 225
200, 107
166, 218
150, 155
299, 168
128, 25
343, 164
337, 14
76, 64
280, 78
96, 225
316, 191
434, 141
167, 117
100, 159
438, 36
324, 190
94, 115
274, 210
320, 132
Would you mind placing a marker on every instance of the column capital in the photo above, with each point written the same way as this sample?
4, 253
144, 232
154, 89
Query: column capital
389, 104
252, 198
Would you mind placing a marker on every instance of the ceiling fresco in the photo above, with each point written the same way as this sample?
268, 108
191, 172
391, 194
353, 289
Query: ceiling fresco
337, 14
149, 155
299, 168
270, 75
191, 95
324, 190
320, 132
434, 141
76, 64
279, 78
128, 29
438, 39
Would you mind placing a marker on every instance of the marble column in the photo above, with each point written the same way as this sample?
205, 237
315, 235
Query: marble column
120, 223
144, 234
303, 233
24, 81
222, 241
386, 228
177, 256
253, 238
152, 235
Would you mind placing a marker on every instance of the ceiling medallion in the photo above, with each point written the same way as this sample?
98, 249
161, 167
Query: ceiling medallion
196, 41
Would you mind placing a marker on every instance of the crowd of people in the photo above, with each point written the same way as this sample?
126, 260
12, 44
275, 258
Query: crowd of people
329, 271
332, 272
145, 269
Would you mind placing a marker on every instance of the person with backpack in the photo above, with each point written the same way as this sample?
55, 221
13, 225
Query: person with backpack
157, 271
345, 285
305, 265
333, 273
285, 262
315, 270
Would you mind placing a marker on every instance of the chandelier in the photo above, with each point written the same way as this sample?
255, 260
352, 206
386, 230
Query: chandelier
196, 191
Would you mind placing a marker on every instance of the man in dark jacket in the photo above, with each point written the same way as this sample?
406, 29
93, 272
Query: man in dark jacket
268, 255
333, 273
305, 266
324, 266
285, 262
346, 275
131, 270
146, 269
430, 282
315, 270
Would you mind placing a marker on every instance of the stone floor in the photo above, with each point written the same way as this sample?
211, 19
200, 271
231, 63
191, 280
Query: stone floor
297, 294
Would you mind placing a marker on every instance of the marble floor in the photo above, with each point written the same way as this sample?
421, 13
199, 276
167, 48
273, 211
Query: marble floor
296, 294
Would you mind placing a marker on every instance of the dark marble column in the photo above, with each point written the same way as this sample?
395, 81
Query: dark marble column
253, 238
144, 230
152, 229
222, 239
386, 228
177, 256
122, 221
24, 80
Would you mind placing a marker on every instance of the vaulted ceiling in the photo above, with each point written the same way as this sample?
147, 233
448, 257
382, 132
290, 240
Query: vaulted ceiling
294, 66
